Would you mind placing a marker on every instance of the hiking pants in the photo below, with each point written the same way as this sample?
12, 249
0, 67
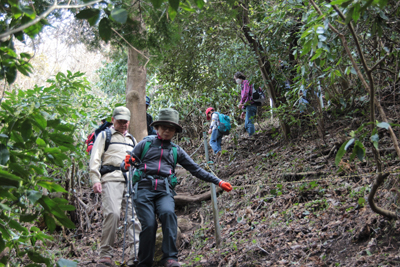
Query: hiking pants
150, 203
113, 199
251, 112
215, 141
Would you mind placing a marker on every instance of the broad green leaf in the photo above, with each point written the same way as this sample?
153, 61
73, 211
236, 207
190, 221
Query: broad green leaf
119, 15
40, 142
360, 150
172, 13
375, 140
7, 178
340, 153
65, 127
383, 125
199, 3
88, 13
4, 154
156, 3
39, 120
11, 74
351, 141
317, 54
36, 257
15, 225
105, 29
52, 187
338, 2
34, 196
33, 30
2, 244
361, 201
349, 15
62, 139
50, 222
4, 207
66, 263
174, 4
28, 217
320, 30
67, 207
356, 12
26, 130
52, 207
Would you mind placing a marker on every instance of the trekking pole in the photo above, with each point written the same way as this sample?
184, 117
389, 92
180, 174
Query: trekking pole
132, 192
126, 216
214, 200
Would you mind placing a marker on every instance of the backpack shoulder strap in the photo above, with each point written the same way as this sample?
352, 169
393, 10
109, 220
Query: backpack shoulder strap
175, 154
146, 146
108, 139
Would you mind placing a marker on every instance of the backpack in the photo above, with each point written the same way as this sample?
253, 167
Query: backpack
224, 123
137, 175
257, 95
105, 127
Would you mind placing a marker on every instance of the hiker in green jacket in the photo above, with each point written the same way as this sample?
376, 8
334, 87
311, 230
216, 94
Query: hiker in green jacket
157, 157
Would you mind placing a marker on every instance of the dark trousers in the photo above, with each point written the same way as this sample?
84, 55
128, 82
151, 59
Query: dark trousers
150, 203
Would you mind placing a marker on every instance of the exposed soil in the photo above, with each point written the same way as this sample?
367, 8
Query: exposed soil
291, 205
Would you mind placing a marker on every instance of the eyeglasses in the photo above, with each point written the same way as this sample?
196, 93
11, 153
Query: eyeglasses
169, 128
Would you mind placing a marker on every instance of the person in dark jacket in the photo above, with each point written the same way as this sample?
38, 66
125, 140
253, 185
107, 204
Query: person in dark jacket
154, 192
149, 118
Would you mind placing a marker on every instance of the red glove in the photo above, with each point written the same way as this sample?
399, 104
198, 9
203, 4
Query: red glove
128, 159
226, 186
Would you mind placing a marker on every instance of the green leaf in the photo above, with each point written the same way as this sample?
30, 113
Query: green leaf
9, 179
356, 12
317, 54
39, 120
2, 244
174, 4
15, 225
105, 29
349, 15
359, 150
172, 13
52, 207
338, 2
50, 222
28, 217
52, 187
34, 196
119, 15
4, 154
90, 13
11, 74
383, 125
66, 263
361, 201
199, 3
340, 154
62, 139
375, 139
156, 3
26, 130
33, 30
40, 142
36, 257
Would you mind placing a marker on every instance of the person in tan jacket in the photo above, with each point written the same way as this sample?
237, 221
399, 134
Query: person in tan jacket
109, 181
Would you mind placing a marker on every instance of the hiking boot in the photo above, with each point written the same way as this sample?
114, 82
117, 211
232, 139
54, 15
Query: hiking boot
171, 263
133, 262
104, 262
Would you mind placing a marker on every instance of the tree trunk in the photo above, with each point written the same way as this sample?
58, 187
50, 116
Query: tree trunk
136, 95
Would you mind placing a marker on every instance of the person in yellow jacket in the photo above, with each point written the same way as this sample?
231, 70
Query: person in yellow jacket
109, 181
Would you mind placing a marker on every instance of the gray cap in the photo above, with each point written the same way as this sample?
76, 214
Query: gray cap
122, 113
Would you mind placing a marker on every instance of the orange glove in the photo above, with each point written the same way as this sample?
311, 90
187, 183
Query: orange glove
226, 186
128, 159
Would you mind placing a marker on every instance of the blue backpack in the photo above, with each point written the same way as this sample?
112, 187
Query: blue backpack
224, 123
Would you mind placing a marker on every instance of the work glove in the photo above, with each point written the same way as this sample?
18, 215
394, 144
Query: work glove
128, 161
225, 185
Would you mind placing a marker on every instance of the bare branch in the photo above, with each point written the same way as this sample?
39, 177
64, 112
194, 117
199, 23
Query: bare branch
43, 15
